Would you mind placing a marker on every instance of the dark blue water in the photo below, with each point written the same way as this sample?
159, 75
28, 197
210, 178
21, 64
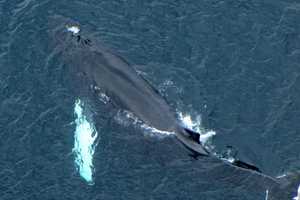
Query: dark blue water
234, 63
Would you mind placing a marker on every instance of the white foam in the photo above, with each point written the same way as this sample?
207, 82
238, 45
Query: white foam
103, 97
187, 120
127, 118
73, 29
281, 176
84, 143
204, 137
156, 131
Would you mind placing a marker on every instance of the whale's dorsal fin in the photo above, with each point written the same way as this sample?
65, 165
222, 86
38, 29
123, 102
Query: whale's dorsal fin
194, 135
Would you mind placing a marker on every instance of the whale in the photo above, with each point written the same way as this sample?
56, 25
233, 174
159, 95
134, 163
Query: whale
94, 67
97, 68
101, 69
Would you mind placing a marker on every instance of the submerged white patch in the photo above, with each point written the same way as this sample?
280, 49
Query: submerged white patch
196, 125
267, 195
84, 143
298, 194
73, 29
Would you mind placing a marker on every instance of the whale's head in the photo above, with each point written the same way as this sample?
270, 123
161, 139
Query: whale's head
64, 34
70, 48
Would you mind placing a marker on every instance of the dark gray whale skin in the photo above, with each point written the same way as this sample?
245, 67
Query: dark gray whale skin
98, 67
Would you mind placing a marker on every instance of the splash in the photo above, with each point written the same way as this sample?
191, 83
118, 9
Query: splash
196, 125
84, 143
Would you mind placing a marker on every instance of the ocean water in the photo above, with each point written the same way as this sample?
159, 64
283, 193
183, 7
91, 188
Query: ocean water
229, 68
